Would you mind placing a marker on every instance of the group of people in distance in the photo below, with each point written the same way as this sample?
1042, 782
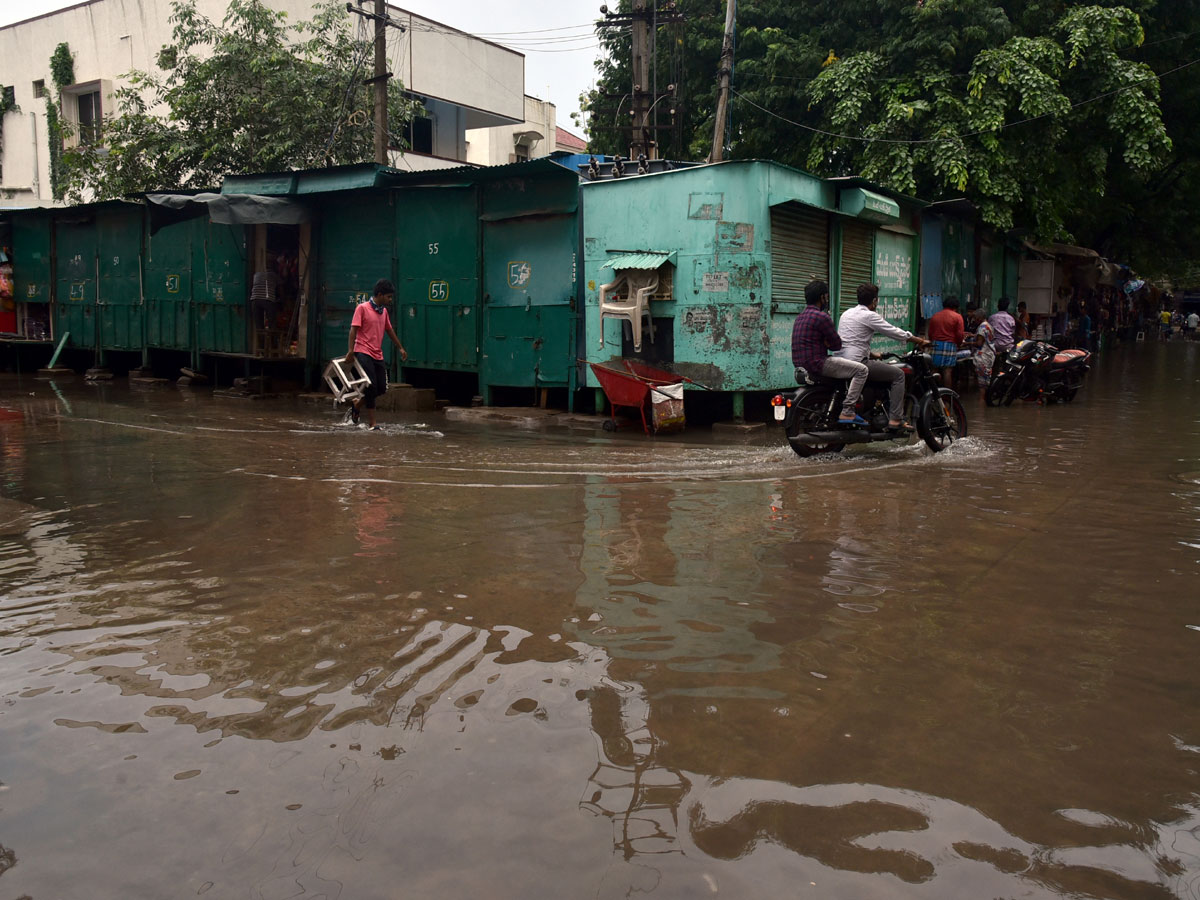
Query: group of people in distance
815, 338
1170, 321
984, 340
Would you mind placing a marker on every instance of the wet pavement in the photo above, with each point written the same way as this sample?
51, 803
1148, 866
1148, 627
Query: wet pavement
246, 651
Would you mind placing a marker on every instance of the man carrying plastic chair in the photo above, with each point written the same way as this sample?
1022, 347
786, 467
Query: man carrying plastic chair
371, 322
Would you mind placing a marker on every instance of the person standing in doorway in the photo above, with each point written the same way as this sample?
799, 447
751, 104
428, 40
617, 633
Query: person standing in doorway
370, 323
946, 330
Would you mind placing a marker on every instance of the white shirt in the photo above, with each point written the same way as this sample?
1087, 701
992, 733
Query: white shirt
1193, 320
856, 328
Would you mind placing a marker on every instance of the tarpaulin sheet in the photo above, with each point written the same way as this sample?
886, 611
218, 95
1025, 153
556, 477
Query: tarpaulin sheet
224, 209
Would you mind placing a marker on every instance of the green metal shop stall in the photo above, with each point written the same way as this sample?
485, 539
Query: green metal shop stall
736, 243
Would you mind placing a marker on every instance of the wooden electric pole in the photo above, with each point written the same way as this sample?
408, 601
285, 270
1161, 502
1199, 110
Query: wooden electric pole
381, 76
724, 72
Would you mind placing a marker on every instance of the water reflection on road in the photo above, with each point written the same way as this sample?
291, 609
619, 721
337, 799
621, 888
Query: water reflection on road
245, 651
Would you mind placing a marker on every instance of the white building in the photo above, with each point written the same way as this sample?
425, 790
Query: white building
528, 139
465, 83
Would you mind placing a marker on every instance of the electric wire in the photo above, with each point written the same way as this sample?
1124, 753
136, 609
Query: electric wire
353, 81
959, 137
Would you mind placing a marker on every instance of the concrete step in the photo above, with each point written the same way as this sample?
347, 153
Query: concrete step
399, 398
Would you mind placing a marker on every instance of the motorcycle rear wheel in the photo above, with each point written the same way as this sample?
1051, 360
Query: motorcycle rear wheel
942, 421
812, 417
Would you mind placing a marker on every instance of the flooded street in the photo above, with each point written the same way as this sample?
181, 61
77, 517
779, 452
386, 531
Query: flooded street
248, 652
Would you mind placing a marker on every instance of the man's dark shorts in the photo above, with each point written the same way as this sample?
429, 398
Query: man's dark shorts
377, 372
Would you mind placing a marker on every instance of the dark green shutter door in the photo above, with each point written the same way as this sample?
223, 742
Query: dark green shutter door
799, 250
119, 294
32, 275
75, 281
169, 286
858, 253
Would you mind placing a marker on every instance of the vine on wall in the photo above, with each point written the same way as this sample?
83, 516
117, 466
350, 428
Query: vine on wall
62, 70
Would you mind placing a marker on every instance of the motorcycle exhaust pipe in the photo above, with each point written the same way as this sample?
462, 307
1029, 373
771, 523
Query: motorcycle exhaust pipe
840, 436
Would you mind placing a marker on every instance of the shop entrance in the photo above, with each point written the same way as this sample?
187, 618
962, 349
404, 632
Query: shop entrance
279, 289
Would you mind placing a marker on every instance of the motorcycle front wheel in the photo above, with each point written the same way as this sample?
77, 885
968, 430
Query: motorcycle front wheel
994, 395
811, 415
942, 421
1011, 390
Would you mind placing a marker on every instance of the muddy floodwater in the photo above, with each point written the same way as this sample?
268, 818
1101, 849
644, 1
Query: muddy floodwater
248, 652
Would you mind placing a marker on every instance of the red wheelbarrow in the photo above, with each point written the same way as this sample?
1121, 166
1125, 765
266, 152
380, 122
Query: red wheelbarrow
633, 384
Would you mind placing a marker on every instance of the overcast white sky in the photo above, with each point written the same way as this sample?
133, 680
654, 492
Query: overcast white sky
556, 38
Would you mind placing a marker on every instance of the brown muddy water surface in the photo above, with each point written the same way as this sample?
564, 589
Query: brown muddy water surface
248, 652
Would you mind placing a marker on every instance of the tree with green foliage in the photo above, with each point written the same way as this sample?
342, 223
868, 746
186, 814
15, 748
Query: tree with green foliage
251, 94
1047, 115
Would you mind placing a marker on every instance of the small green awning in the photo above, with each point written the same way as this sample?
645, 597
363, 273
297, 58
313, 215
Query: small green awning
864, 204
642, 259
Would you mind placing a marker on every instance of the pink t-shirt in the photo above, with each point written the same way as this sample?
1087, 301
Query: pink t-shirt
372, 326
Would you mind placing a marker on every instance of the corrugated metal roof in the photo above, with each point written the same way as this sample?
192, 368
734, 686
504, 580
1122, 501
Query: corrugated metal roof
644, 259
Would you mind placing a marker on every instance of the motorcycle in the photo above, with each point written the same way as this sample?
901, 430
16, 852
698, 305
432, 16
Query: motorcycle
1038, 371
809, 414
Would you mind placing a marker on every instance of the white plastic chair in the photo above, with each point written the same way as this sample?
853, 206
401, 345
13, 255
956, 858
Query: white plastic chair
639, 287
346, 382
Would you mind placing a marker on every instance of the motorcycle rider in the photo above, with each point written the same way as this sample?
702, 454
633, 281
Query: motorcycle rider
813, 336
856, 328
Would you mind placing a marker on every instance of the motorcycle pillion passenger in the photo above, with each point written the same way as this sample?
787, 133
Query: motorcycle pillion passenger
856, 328
814, 337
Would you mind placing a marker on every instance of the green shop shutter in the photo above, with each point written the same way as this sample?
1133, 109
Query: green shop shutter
169, 285
219, 287
119, 293
799, 250
437, 299
858, 256
357, 237
32, 274
75, 267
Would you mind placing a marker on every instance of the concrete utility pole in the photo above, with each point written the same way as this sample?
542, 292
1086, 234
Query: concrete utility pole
640, 106
381, 76
644, 17
381, 83
725, 70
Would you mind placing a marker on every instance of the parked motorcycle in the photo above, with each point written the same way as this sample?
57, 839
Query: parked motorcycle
809, 414
1038, 371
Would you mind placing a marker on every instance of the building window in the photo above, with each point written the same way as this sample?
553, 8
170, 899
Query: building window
9, 96
39, 89
520, 153
420, 138
90, 118
83, 109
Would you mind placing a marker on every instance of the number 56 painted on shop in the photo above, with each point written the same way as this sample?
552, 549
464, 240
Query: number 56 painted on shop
439, 290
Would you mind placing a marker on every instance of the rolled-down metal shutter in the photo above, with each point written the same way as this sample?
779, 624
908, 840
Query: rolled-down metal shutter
799, 250
858, 252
